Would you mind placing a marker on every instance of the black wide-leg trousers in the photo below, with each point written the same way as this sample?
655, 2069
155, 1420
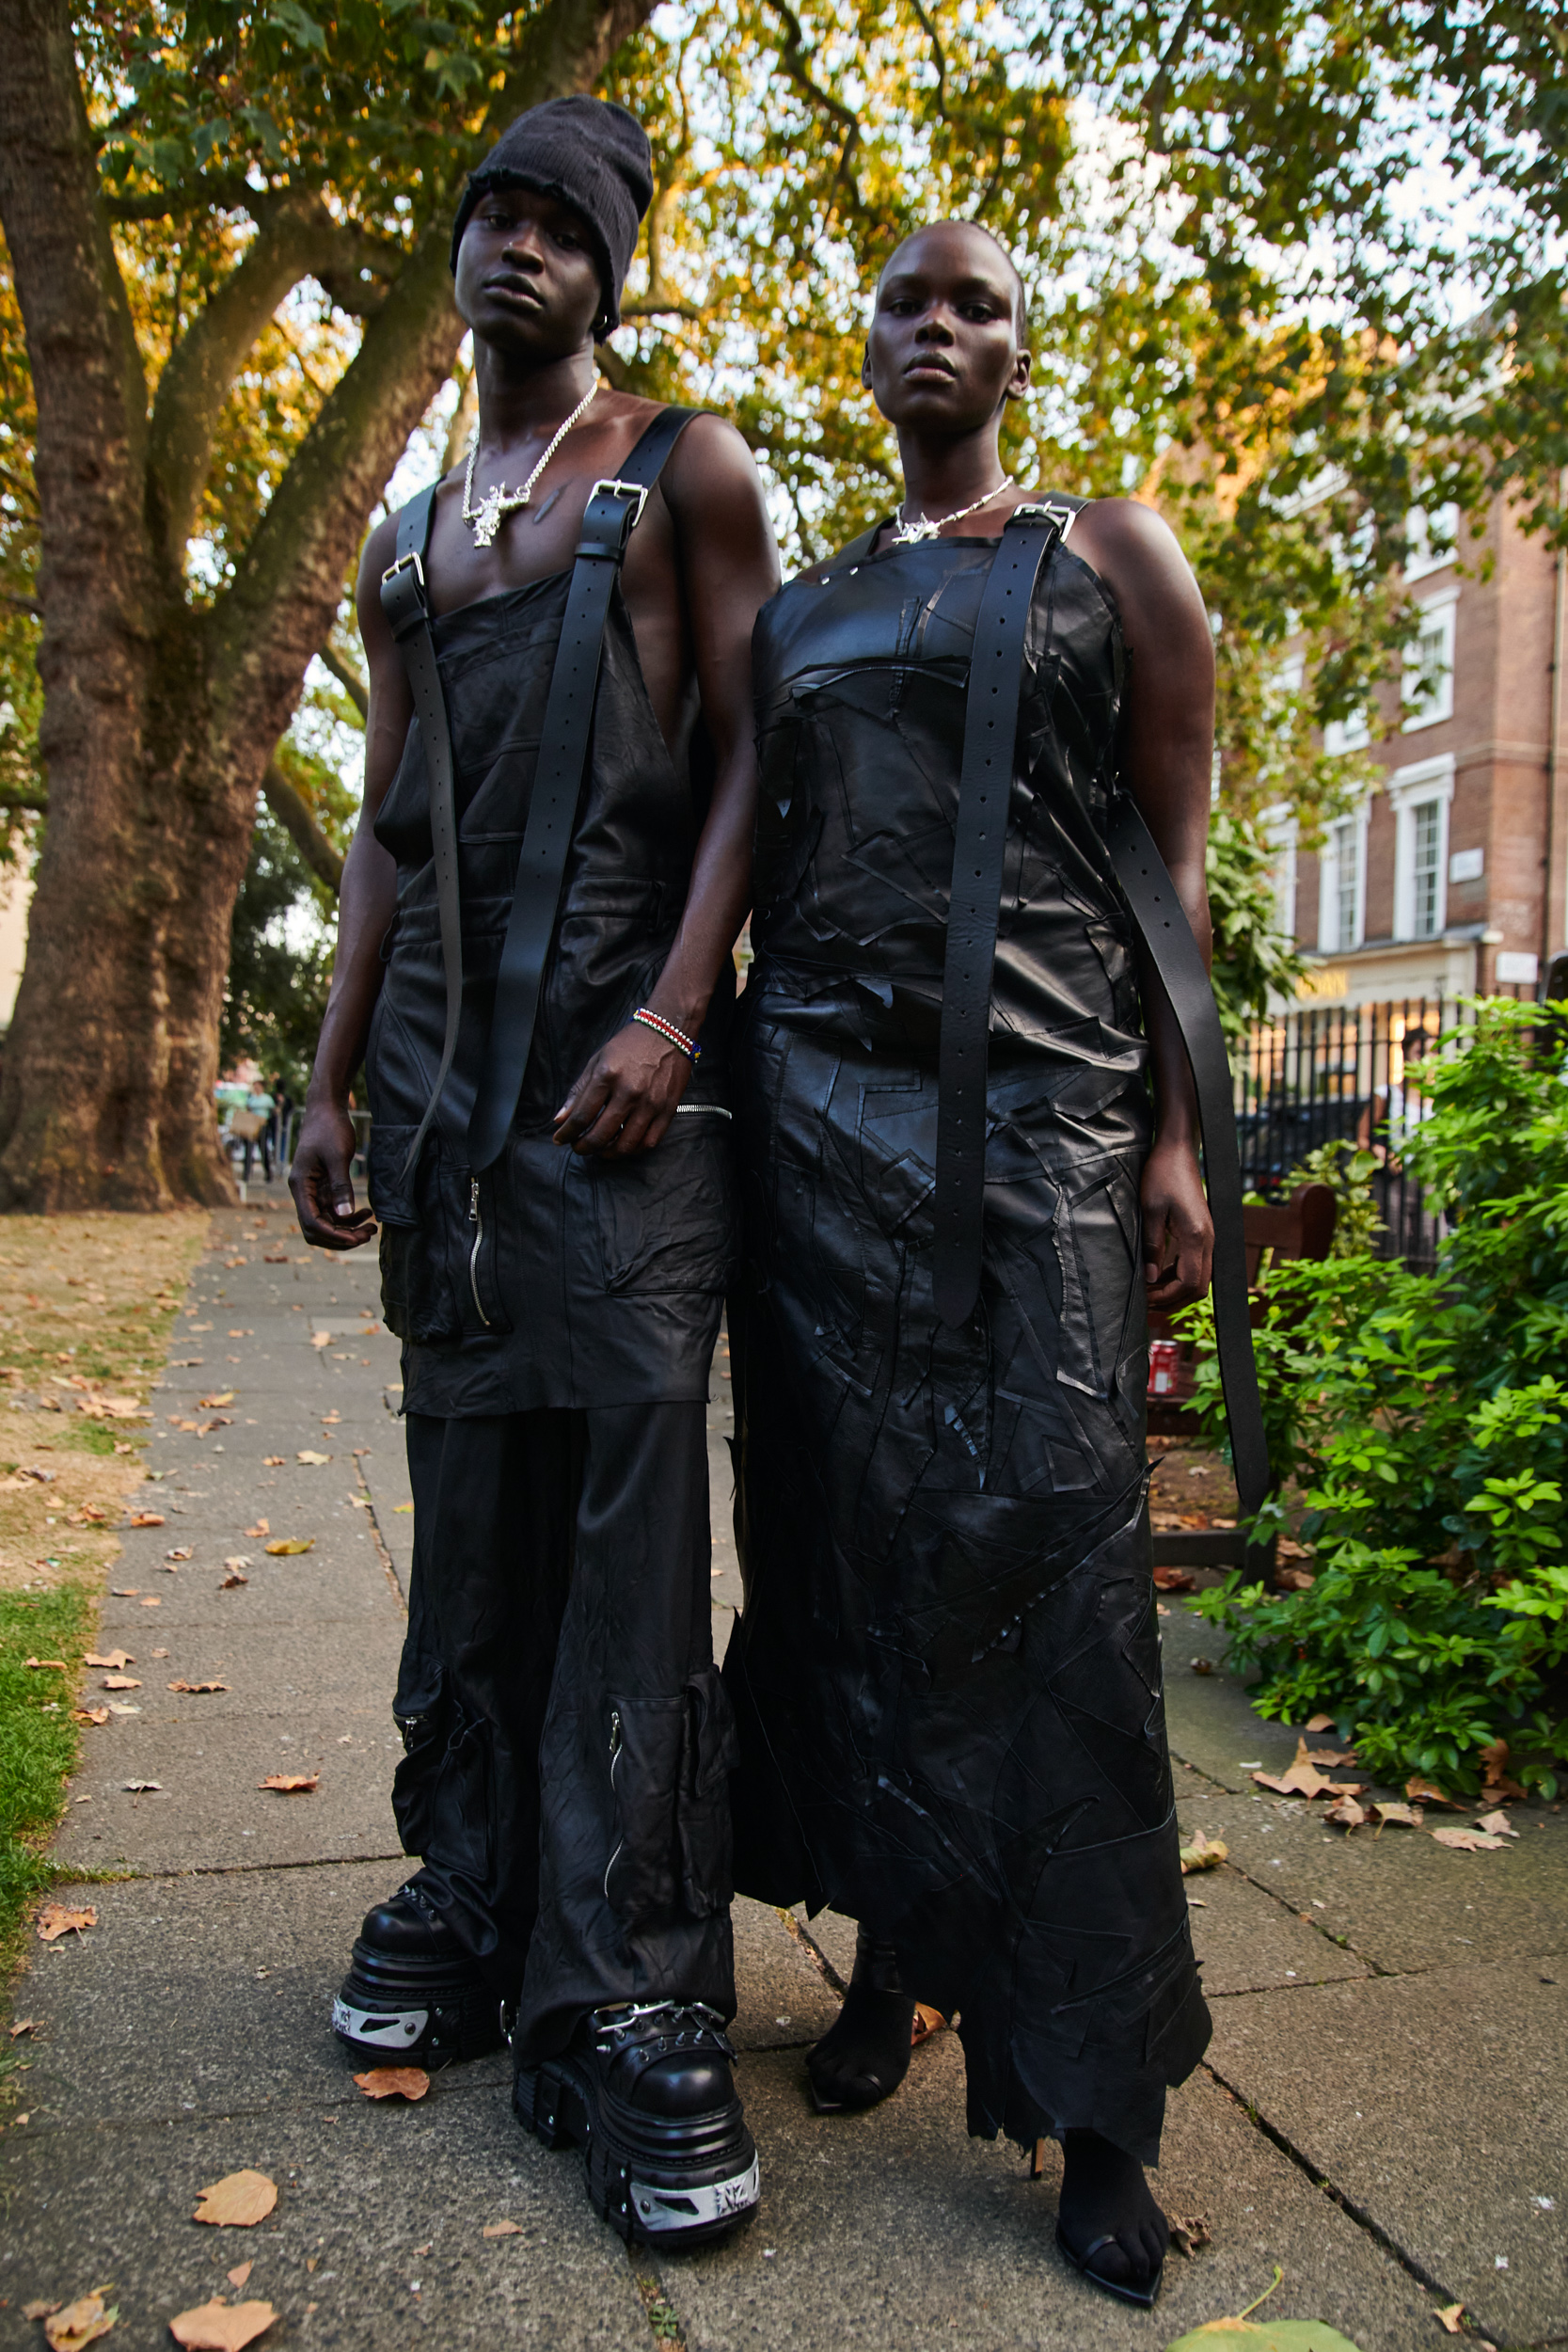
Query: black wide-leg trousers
568, 1739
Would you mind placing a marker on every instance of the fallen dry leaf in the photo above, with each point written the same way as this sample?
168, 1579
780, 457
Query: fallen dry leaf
309, 1454
1348, 1813
48, 1665
1300, 1780
273, 1461
80, 2323
1426, 1792
1411, 1815
180, 1552
211, 1404
290, 1783
90, 1714
1175, 1580
502, 2229
119, 1682
261, 1527
55, 1920
1497, 1824
238, 2201
925, 2022
285, 1546
321, 1339
240, 2273
217, 2327
1451, 2317
118, 1659
274, 1257
1467, 1840
196, 1689
1190, 2233
394, 2082
1204, 1854
146, 1518
39, 2310
143, 1787
1497, 1789
151, 1600
1293, 1579
235, 1576
1328, 1757
1319, 1722
23, 2025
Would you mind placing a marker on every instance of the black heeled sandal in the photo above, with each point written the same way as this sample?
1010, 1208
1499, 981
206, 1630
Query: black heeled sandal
865, 2057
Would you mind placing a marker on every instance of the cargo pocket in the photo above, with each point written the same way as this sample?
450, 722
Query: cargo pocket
709, 1754
454, 1808
646, 1741
419, 1300
666, 1216
422, 1717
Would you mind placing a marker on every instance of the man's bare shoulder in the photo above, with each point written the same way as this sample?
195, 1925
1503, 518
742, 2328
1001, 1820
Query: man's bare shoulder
711, 470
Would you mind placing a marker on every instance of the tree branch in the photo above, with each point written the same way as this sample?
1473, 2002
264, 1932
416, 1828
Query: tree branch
797, 64
294, 815
349, 680
300, 239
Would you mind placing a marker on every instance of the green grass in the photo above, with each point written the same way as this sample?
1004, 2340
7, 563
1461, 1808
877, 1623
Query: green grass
38, 1747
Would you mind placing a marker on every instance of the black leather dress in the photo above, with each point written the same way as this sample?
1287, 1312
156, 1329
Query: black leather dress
947, 1672
563, 1281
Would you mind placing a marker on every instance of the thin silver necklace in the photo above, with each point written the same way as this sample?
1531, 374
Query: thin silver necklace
498, 501
909, 535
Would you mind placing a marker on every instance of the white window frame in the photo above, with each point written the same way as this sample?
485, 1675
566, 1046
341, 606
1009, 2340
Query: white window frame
1409, 789
1443, 607
1347, 734
1278, 828
1420, 560
1328, 885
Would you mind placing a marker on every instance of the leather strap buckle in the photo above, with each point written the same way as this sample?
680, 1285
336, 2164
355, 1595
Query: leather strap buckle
1044, 511
623, 489
405, 563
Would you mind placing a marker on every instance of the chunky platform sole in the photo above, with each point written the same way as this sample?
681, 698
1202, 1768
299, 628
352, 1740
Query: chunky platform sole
666, 2180
414, 2013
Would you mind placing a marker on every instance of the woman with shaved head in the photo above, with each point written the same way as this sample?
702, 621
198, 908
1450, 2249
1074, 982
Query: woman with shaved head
969, 1147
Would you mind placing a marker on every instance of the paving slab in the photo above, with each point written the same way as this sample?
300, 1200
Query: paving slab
375, 2240
892, 2230
1399, 1901
786, 2000
1439, 2104
1247, 1941
1208, 1717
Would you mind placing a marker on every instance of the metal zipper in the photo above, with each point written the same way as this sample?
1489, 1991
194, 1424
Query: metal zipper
477, 1224
614, 1759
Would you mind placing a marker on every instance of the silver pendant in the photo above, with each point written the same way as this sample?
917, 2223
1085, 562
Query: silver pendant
910, 534
491, 513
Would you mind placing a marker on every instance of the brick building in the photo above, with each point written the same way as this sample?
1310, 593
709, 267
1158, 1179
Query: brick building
1452, 874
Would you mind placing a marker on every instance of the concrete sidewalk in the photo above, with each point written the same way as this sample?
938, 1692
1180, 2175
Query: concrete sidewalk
1382, 2112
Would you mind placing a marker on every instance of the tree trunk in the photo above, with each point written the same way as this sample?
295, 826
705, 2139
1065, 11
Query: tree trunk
160, 719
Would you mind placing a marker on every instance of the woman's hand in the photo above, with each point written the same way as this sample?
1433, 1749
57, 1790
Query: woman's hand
1179, 1233
627, 1097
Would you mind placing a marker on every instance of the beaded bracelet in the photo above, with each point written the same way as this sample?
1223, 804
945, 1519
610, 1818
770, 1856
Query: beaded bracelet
667, 1029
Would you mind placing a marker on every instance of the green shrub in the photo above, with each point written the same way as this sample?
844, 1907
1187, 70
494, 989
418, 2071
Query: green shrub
1427, 1416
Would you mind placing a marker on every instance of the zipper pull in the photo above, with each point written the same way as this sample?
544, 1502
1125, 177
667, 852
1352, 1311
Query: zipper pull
473, 1200
615, 1733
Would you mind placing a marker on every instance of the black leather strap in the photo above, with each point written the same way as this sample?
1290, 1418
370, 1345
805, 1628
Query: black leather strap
1174, 952
612, 513
985, 790
407, 609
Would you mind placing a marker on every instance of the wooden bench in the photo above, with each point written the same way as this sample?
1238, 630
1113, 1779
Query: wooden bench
1302, 1227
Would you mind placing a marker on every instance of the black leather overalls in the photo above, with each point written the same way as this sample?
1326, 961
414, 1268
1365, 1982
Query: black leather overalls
567, 1734
947, 1673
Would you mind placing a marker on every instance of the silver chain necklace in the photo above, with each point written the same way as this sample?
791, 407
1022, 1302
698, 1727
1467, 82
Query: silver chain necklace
498, 501
910, 535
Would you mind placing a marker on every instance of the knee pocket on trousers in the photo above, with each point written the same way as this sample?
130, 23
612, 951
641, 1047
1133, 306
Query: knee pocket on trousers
443, 1792
669, 1765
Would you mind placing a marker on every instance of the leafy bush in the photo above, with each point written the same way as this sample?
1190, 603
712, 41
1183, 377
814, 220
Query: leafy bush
1427, 1416
1252, 958
1347, 1171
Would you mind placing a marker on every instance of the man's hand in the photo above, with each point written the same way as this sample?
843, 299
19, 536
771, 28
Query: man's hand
1179, 1234
627, 1097
319, 1180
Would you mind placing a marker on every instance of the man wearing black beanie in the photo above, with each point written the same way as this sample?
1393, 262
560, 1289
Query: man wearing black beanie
535, 922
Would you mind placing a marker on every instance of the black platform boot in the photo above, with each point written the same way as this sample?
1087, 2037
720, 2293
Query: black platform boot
647, 2093
412, 1993
865, 2057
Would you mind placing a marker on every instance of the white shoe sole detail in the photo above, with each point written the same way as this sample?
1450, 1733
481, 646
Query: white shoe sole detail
389, 2029
672, 2210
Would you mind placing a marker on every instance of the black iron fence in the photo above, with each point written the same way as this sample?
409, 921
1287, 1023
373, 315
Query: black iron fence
1355, 1074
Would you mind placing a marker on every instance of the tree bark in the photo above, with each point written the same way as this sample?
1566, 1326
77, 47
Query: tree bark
159, 718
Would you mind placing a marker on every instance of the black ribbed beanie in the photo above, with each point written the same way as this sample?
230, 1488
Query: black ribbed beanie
589, 154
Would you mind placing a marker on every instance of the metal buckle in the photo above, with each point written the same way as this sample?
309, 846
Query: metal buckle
1045, 511
401, 565
622, 490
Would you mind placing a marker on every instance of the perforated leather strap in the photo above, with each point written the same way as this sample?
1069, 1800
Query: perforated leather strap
985, 789
612, 514
407, 610
1174, 952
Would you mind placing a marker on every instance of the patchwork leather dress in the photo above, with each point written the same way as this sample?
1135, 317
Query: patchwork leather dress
947, 1672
